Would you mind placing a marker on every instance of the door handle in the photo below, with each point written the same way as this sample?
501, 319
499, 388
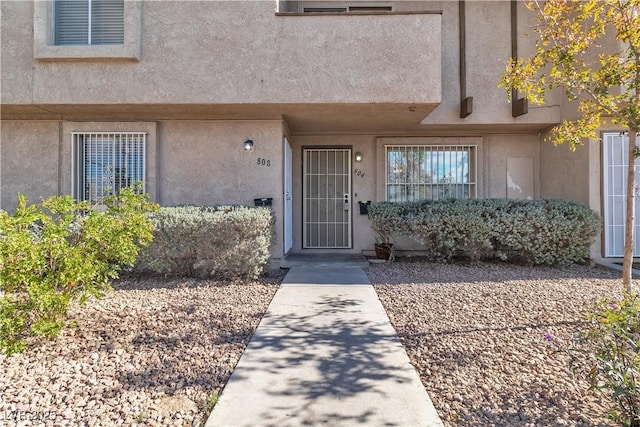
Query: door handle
346, 202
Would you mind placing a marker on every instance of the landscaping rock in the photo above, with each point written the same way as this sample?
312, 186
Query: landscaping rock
476, 336
149, 353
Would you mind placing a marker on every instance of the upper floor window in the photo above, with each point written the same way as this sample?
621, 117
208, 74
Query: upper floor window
81, 30
88, 22
430, 172
344, 7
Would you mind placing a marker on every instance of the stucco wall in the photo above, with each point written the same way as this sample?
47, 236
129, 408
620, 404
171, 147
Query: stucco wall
204, 163
492, 156
28, 161
187, 162
488, 48
327, 75
499, 148
199, 55
215, 52
564, 173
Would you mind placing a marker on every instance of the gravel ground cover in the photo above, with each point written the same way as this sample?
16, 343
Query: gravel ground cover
150, 353
475, 334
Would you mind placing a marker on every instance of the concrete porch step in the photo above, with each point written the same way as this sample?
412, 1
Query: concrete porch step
312, 260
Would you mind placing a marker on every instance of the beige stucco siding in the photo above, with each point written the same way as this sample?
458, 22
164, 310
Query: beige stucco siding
28, 161
204, 163
200, 77
16, 53
564, 173
217, 52
488, 48
499, 148
187, 162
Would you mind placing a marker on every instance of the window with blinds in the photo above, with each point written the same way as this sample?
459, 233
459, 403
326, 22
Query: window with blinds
103, 163
336, 7
430, 172
88, 22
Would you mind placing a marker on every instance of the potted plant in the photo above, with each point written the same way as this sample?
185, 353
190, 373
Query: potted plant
383, 223
385, 249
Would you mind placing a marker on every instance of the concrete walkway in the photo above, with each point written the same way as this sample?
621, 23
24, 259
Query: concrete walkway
325, 353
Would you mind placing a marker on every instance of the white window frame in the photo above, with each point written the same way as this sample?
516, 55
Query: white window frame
614, 190
472, 170
91, 22
317, 7
45, 49
135, 141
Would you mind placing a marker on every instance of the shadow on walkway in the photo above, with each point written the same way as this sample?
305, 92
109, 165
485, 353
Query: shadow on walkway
325, 355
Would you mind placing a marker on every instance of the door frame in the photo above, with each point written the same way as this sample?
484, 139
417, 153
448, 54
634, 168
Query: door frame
287, 197
349, 231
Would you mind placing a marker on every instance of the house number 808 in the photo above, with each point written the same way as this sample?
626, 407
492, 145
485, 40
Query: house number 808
263, 162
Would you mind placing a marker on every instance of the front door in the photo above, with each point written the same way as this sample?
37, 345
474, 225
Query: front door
327, 198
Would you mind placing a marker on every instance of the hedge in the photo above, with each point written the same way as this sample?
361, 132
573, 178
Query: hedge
210, 241
531, 231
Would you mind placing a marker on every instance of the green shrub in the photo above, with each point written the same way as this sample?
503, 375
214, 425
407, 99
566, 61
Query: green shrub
60, 251
615, 358
216, 241
386, 221
451, 228
608, 355
545, 231
533, 231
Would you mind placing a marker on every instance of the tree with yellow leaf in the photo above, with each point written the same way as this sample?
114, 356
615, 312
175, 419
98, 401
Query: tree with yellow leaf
574, 52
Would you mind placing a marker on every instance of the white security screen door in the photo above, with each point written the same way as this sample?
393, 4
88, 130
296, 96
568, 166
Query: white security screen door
288, 199
327, 198
614, 170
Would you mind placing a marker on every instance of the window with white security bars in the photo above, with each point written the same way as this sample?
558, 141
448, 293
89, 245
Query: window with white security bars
103, 163
430, 172
88, 22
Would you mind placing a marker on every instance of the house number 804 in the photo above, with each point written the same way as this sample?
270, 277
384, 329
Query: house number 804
263, 162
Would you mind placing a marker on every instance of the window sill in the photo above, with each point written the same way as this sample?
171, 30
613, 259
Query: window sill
435, 12
88, 53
